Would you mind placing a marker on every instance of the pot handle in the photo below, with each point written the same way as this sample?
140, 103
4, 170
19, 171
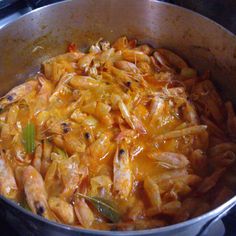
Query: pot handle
204, 230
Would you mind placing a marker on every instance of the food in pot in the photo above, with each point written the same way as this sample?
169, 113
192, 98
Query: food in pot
122, 137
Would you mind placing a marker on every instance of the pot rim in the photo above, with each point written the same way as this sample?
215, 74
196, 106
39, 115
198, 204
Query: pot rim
227, 205
215, 212
154, 1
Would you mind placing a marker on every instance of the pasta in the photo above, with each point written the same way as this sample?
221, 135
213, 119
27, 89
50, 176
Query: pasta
122, 137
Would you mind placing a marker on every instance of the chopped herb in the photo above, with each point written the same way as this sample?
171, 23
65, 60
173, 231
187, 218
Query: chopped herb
104, 207
29, 138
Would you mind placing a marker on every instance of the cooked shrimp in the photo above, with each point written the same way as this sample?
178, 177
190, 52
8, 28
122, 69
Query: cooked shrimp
126, 134
122, 178
105, 58
157, 106
180, 133
38, 157
20, 155
101, 185
12, 116
51, 175
138, 125
126, 66
145, 49
160, 62
125, 113
84, 82
43, 94
135, 56
18, 93
170, 160
63, 210
153, 192
173, 59
7, 130
72, 144
100, 148
46, 156
8, 187
137, 211
83, 213
61, 84
121, 43
72, 175
35, 192
122, 77
85, 61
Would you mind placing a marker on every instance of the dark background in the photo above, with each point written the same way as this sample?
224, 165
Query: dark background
221, 11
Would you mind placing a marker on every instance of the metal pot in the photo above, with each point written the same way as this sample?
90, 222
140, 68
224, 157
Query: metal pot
6, 3
46, 32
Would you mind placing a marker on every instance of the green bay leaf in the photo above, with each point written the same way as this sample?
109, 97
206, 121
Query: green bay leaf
29, 138
104, 207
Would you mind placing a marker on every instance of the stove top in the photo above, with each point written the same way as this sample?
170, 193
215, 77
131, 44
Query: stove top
19, 8
223, 12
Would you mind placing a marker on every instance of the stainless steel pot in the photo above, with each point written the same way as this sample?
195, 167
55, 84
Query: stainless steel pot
6, 3
46, 32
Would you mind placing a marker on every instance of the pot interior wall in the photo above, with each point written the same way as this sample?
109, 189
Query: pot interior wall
46, 32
